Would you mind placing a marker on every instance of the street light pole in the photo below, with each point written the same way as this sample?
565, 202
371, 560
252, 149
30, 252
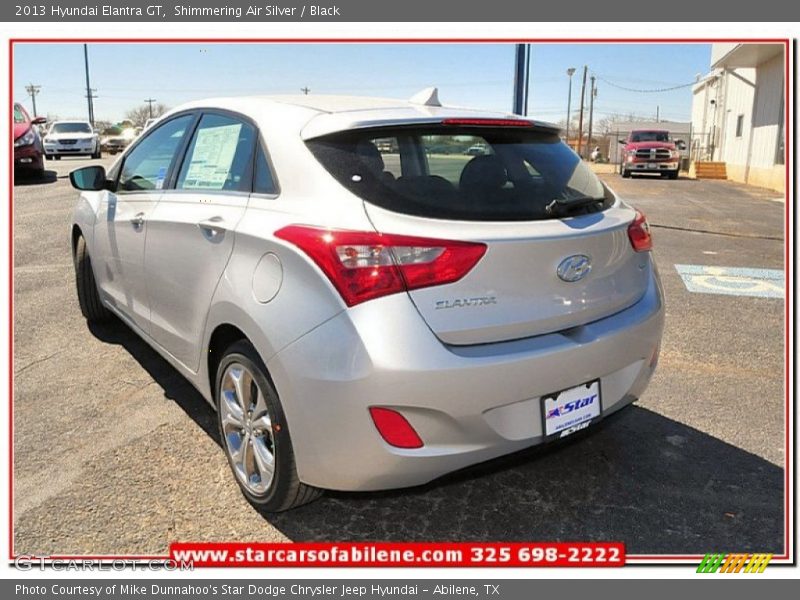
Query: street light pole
570, 73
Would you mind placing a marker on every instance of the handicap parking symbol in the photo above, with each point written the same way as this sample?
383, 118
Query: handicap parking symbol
733, 281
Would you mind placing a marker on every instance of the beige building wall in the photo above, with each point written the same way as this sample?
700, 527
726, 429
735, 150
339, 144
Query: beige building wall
745, 126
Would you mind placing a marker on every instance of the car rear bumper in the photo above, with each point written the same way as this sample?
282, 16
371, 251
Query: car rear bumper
468, 404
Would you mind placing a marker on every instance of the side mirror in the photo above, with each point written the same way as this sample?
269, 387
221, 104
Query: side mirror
623, 142
88, 179
39, 121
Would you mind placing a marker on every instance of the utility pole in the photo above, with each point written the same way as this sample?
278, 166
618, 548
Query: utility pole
658, 113
570, 73
520, 104
32, 91
89, 90
91, 96
592, 94
305, 90
580, 119
149, 102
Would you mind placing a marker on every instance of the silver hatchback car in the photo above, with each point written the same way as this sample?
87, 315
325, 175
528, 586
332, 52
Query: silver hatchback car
366, 303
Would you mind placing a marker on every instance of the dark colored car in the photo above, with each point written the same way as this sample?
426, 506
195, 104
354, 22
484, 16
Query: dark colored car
28, 149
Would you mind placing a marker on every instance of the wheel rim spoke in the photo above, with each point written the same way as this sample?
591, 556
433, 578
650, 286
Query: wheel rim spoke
264, 459
238, 444
260, 416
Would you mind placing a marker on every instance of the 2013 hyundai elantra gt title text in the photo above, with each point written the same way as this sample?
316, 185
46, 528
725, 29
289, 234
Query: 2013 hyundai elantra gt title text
366, 304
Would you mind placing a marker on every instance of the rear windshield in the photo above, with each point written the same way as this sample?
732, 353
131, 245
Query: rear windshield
71, 128
464, 174
650, 136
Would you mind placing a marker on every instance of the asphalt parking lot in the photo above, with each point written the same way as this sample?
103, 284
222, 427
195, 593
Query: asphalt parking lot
116, 454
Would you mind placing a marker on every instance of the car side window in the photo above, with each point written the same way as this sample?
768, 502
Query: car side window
219, 157
264, 182
147, 165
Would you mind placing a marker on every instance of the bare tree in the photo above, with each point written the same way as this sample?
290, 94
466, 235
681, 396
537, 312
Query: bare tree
610, 123
139, 115
102, 124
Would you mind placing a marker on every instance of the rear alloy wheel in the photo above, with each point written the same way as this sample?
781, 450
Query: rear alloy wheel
92, 307
255, 435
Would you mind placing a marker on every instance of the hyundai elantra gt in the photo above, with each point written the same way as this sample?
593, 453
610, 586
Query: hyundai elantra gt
365, 302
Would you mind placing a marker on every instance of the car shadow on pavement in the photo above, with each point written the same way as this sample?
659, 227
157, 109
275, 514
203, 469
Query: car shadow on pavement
175, 386
27, 179
657, 485
651, 482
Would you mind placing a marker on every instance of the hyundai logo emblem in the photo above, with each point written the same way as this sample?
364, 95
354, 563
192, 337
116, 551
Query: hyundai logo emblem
574, 268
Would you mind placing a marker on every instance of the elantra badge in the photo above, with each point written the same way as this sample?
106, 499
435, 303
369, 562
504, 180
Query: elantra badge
574, 268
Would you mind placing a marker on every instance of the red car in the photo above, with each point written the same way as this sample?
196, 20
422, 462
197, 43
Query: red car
650, 151
28, 149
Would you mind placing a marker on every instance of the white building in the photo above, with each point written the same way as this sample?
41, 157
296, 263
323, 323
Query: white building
738, 113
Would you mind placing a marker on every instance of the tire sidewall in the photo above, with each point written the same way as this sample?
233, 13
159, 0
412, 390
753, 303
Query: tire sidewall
244, 353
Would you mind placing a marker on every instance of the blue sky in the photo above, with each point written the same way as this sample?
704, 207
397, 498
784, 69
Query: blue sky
479, 75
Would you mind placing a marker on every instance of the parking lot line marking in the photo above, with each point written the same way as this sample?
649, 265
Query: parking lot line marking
732, 281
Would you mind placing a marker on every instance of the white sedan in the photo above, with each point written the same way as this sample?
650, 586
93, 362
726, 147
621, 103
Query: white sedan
71, 138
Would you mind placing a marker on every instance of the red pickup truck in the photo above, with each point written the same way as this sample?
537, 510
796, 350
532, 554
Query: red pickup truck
650, 151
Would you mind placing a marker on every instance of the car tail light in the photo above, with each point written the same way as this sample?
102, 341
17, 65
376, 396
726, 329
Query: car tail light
487, 122
365, 265
394, 428
639, 233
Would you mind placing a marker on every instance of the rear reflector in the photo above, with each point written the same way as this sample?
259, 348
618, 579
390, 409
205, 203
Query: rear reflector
394, 428
487, 122
639, 233
364, 265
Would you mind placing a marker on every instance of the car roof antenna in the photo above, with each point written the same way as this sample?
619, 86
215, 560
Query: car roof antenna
427, 97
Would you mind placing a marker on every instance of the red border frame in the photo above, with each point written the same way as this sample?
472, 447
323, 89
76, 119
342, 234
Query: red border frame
632, 559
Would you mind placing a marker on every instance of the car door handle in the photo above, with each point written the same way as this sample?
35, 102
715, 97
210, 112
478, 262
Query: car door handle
138, 220
213, 226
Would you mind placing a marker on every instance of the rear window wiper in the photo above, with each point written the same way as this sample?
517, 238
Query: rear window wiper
564, 206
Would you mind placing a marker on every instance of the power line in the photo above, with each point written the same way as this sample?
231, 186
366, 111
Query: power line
640, 91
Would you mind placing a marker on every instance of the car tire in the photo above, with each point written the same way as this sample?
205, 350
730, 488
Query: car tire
626, 173
92, 307
56, 157
98, 152
673, 174
254, 433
